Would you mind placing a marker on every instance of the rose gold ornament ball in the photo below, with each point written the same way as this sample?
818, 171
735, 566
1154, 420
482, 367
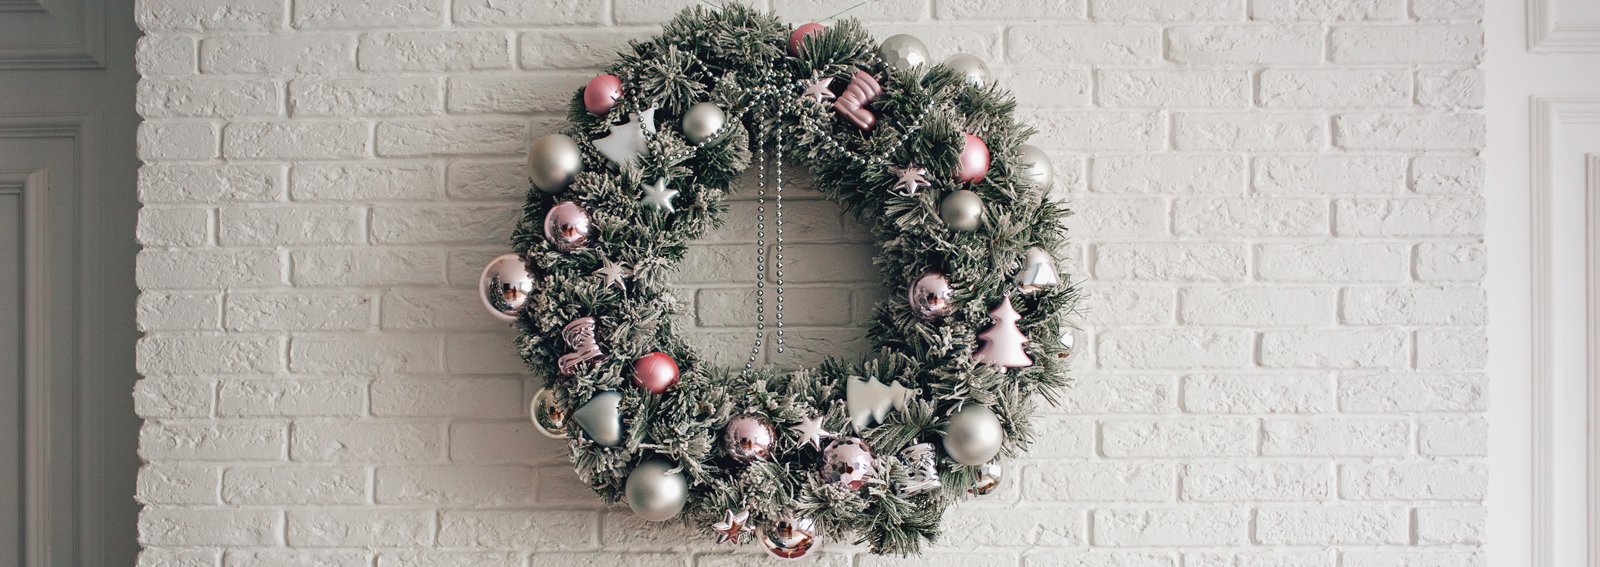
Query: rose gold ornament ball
655, 372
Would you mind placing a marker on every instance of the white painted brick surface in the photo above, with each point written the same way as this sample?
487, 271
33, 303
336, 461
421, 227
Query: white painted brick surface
1279, 240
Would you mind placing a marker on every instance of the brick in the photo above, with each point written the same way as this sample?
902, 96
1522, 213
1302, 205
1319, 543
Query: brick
1452, 349
1119, 217
1171, 527
488, 180
1167, 10
1409, 131
1178, 437
1444, 216
981, 40
1250, 217
1164, 262
1174, 348
1325, 174
562, 12
736, 307
1257, 393
283, 54
198, 184
1168, 174
173, 483
1257, 306
1447, 174
209, 527
1119, 306
381, 354
347, 14
1100, 482
1245, 43
197, 16
1415, 306
173, 397
1347, 438
1467, 436
1322, 88
1100, 558
274, 558
254, 226
166, 557
1050, 527
436, 224
544, 530
218, 355
166, 56
294, 485
435, 51
485, 398
1332, 525
1327, 10
1448, 9
1099, 44
335, 267
1249, 131
349, 182
366, 441
299, 311
433, 137
177, 141
1069, 437
1322, 263
1260, 558
433, 309
345, 97
569, 49
296, 140
1430, 558
1070, 131
1334, 349
1452, 526
624, 530
1261, 482
502, 442
190, 96
207, 268
514, 95
1002, 10
300, 397
1450, 88
173, 227
1414, 481
332, 527
1397, 393
1121, 393
803, 221
456, 485
1406, 44
821, 263
440, 558
1173, 89
206, 441
1049, 88
810, 347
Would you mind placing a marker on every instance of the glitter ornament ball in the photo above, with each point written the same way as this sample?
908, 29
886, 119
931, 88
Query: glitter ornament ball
930, 296
962, 210
970, 67
800, 34
749, 438
602, 94
973, 436
655, 492
847, 463
549, 416
505, 287
655, 373
1036, 164
789, 538
567, 226
903, 52
703, 122
974, 160
553, 162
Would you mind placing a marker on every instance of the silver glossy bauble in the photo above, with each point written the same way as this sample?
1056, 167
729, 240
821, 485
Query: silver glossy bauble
1038, 271
601, 418
989, 475
1036, 164
553, 161
973, 436
847, 463
505, 286
789, 538
703, 122
970, 67
567, 226
749, 438
549, 416
930, 296
903, 52
655, 491
962, 210
1066, 338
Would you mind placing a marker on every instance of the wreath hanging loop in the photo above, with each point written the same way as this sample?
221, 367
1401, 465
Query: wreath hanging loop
930, 156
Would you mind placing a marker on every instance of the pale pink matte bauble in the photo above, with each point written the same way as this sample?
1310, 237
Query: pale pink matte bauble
655, 372
800, 34
974, 160
602, 93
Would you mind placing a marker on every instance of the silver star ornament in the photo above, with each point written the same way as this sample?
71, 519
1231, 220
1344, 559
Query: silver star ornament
811, 432
613, 272
818, 91
627, 140
658, 195
911, 177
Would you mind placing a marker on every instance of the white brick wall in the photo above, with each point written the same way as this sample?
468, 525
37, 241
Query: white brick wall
1279, 237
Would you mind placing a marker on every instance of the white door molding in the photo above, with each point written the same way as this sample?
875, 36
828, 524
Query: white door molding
1548, 34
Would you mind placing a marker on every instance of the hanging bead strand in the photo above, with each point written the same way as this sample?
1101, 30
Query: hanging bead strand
761, 240
778, 266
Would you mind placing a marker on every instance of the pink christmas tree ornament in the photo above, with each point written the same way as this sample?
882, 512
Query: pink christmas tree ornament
1002, 342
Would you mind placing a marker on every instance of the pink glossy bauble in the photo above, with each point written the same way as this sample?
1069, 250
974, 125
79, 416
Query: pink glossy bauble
655, 372
930, 296
567, 226
800, 34
602, 93
749, 438
974, 160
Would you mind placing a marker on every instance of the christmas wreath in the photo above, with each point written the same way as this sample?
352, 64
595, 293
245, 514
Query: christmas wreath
873, 450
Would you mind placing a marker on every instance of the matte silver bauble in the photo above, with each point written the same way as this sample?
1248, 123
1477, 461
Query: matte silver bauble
655, 491
789, 538
567, 226
903, 52
601, 418
1036, 164
970, 67
847, 463
930, 296
973, 436
703, 122
549, 416
749, 438
505, 286
989, 475
553, 161
962, 210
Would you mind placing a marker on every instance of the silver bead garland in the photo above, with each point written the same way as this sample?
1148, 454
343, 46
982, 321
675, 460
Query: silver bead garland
761, 240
